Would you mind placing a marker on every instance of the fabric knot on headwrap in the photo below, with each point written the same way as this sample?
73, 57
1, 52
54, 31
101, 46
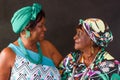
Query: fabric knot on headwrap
35, 10
22, 17
98, 31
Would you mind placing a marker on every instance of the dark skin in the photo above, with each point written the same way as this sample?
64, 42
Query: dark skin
51, 52
85, 45
7, 56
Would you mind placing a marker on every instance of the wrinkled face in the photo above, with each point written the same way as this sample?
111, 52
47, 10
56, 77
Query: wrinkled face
39, 30
82, 40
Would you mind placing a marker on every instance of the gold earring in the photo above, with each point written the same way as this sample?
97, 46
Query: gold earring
92, 50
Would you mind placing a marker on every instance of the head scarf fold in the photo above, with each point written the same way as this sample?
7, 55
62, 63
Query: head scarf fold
22, 17
98, 31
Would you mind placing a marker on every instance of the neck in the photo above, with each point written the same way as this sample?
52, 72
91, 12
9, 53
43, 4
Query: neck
88, 56
23, 45
29, 44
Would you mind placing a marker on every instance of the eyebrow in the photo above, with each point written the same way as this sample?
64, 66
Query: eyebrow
79, 26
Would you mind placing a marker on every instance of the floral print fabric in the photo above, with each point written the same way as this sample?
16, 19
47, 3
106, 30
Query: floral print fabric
104, 67
98, 31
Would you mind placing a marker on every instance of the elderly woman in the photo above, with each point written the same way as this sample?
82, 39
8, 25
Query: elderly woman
30, 57
91, 61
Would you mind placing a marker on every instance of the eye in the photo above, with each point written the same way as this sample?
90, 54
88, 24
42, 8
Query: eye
79, 34
41, 25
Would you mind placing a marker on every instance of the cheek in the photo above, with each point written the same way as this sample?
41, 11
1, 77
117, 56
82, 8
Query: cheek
82, 42
37, 31
86, 41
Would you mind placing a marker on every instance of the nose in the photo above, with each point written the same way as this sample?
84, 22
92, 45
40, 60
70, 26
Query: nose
74, 37
44, 28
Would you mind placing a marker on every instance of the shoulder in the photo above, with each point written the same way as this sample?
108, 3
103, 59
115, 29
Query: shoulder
109, 58
109, 64
7, 56
47, 46
66, 66
46, 43
69, 60
50, 50
6, 53
72, 56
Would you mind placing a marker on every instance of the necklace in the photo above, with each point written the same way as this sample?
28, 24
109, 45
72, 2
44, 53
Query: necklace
27, 55
92, 64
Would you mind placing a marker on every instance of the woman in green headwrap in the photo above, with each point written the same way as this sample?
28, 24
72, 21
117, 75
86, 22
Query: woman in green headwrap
91, 61
30, 57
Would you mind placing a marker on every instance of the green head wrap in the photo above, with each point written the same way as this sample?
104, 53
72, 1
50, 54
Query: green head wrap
22, 17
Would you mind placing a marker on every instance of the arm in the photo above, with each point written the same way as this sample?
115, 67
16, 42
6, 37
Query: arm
6, 61
50, 51
57, 57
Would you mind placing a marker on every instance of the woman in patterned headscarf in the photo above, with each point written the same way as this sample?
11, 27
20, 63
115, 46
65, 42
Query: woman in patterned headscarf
30, 57
91, 61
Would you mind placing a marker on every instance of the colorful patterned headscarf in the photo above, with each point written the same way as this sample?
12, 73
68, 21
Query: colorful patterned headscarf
22, 17
98, 31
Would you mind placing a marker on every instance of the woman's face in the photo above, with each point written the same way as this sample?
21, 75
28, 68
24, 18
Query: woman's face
39, 30
82, 40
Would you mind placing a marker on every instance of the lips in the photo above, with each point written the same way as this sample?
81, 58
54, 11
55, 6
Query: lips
77, 41
42, 34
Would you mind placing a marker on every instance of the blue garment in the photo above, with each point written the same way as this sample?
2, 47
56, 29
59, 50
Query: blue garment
23, 69
33, 55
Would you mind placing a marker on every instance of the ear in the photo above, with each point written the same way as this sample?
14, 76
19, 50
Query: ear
22, 33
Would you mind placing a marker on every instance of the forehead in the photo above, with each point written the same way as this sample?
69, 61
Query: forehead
80, 28
42, 21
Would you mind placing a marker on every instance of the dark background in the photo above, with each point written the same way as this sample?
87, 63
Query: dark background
61, 18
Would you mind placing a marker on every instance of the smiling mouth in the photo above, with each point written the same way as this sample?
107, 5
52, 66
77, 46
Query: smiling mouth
42, 34
76, 42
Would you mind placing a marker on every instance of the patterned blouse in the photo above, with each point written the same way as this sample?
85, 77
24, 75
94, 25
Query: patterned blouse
104, 67
23, 69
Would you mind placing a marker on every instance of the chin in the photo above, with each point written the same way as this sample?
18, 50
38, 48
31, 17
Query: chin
76, 48
41, 39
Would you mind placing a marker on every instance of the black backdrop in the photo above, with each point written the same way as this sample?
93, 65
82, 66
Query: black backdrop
61, 18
